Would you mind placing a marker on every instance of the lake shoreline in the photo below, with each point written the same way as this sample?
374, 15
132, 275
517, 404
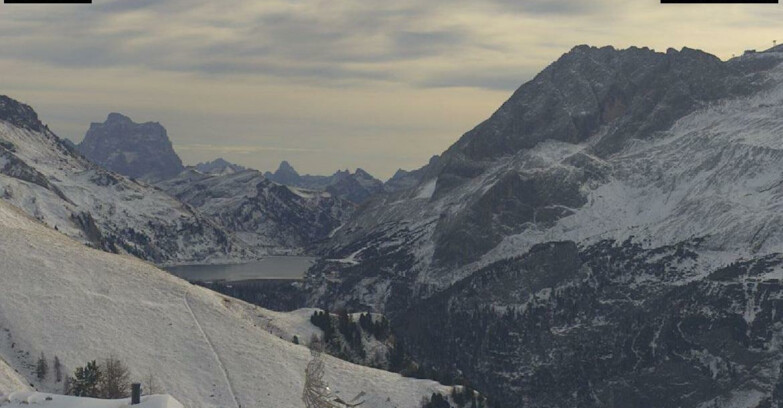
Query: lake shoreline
270, 268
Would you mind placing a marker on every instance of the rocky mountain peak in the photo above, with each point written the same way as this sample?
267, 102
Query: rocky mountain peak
285, 174
360, 172
286, 167
638, 90
139, 150
19, 114
115, 117
617, 95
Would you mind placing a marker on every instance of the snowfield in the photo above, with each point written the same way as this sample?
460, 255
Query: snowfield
62, 298
26, 399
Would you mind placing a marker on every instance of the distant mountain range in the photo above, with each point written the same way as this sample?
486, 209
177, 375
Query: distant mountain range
214, 212
355, 187
143, 151
218, 167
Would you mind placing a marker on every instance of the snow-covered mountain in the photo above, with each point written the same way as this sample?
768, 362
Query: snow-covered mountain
53, 183
656, 176
62, 298
261, 213
356, 187
137, 150
603, 143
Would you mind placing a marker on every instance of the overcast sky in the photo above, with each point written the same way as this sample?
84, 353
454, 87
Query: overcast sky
327, 84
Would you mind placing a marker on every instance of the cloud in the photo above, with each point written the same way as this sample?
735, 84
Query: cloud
554, 7
501, 78
234, 149
354, 83
316, 40
116, 6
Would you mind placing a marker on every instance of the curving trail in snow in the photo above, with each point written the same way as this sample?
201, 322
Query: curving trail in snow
212, 349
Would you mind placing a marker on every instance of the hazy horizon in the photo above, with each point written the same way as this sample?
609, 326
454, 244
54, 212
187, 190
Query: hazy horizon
325, 86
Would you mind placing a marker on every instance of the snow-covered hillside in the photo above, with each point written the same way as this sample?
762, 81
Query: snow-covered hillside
60, 297
53, 183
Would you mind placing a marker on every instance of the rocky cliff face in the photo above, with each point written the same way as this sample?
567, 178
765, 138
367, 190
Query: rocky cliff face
49, 180
137, 150
569, 251
19, 114
287, 175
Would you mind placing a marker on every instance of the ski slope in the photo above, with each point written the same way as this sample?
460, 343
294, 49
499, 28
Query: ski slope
60, 297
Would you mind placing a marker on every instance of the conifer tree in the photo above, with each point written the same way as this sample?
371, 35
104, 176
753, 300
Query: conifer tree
58, 369
42, 367
87, 381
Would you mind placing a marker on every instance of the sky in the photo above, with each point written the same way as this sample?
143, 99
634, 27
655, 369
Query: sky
325, 84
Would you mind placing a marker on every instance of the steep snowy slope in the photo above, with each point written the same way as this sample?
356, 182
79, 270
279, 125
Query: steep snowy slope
60, 297
51, 182
262, 213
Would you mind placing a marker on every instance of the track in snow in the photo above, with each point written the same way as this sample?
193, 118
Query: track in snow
212, 349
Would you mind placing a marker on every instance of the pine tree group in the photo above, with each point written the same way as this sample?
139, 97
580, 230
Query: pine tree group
111, 379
